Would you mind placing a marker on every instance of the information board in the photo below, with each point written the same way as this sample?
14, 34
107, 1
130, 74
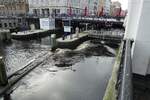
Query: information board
67, 29
47, 23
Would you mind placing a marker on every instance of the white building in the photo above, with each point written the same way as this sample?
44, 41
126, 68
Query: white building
11, 12
56, 7
93, 7
104, 6
107, 6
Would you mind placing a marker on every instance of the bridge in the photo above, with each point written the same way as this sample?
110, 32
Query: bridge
102, 21
93, 19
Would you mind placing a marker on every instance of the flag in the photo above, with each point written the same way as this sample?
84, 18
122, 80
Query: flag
101, 12
119, 13
85, 11
70, 11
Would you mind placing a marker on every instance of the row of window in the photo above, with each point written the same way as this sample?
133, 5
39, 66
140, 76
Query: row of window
6, 25
19, 7
54, 11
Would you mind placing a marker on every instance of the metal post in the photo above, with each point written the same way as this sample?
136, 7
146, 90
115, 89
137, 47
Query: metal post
3, 75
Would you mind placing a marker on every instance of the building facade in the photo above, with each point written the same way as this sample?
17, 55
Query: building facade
107, 6
56, 7
11, 13
75, 7
116, 8
13, 7
104, 7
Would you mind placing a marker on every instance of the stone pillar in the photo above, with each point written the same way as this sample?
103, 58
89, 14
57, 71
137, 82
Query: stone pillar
86, 26
8, 35
77, 32
134, 12
138, 29
32, 26
53, 41
3, 75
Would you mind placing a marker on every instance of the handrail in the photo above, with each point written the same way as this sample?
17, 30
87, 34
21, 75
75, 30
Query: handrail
126, 84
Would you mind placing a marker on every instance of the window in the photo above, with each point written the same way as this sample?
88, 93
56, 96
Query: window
10, 25
35, 11
5, 24
14, 24
43, 12
58, 11
19, 20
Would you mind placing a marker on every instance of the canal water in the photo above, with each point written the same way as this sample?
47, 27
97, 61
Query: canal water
80, 74
19, 53
85, 80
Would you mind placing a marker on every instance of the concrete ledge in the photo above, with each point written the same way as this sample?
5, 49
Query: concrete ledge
111, 92
72, 43
5, 35
35, 34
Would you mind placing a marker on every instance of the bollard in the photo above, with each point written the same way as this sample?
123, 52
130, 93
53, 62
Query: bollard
86, 26
53, 41
3, 75
8, 35
71, 36
77, 32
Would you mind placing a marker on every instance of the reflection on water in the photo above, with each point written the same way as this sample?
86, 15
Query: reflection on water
86, 80
19, 53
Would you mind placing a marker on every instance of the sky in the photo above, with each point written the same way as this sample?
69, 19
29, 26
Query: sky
124, 3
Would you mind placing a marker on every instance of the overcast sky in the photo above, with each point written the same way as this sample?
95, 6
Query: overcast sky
124, 3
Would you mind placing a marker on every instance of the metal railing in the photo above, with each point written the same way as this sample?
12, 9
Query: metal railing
125, 91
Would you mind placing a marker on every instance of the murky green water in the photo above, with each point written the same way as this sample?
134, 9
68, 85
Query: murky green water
80, 74
86, 80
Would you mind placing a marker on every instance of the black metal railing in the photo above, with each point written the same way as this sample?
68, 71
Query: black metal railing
125, 91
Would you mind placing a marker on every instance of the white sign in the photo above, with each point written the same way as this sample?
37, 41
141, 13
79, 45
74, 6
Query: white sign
67, 29
47, 23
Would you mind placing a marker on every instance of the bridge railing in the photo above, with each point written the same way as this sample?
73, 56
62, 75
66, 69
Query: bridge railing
125, 90
89, 18
105, 33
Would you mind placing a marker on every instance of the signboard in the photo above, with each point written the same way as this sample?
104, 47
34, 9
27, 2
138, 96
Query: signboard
67, 29
47, 23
